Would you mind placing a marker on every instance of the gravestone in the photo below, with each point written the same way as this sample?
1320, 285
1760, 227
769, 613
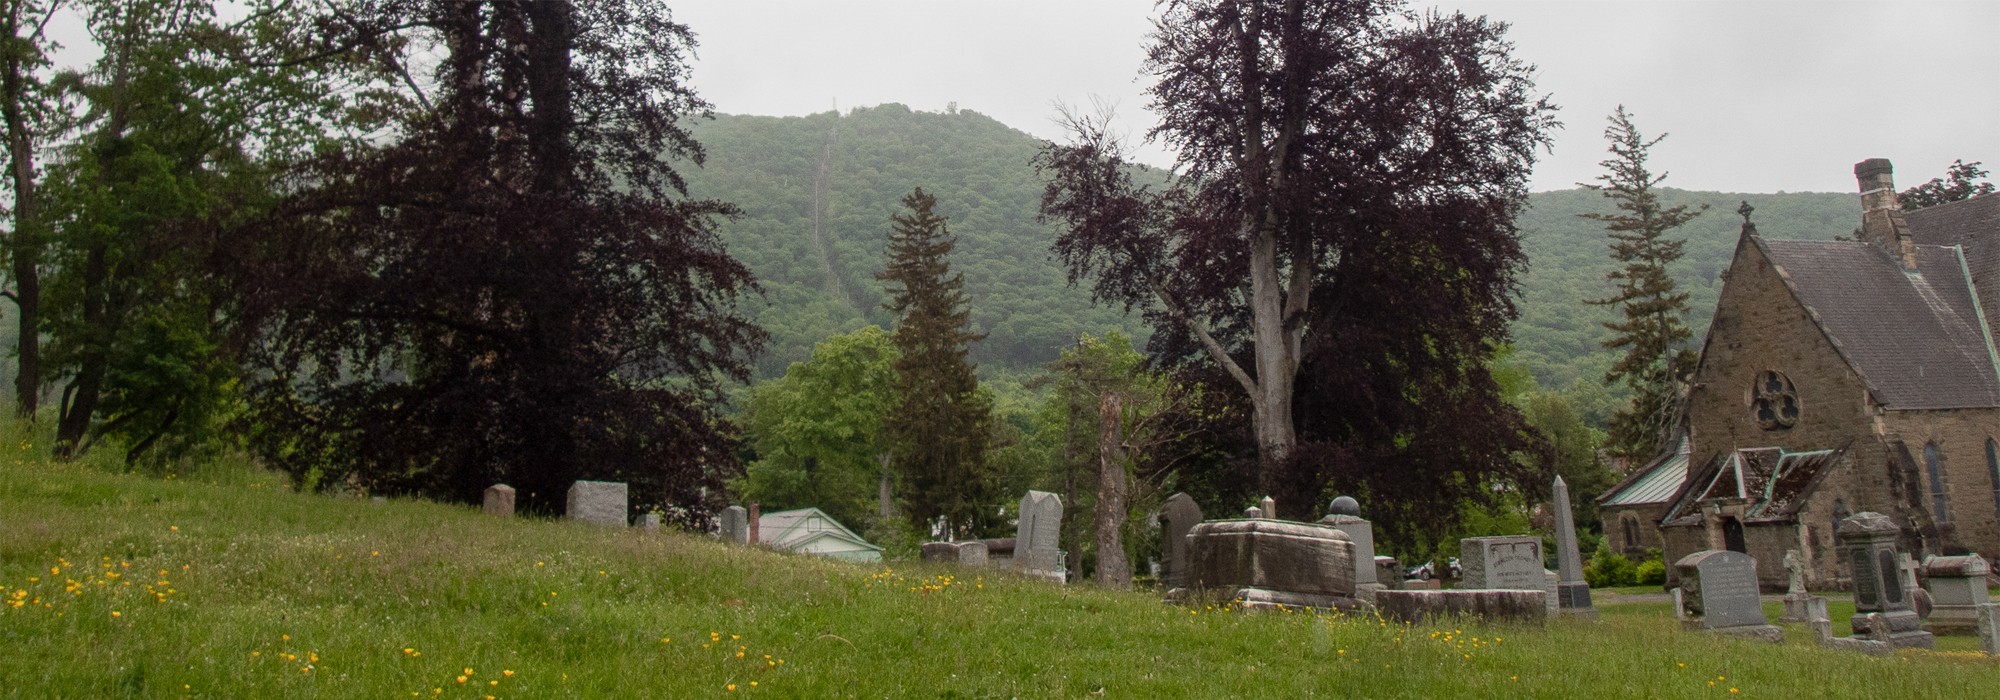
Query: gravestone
1869, 542
1269, 508
598, 502
1719, 594
1552, 584
1512, 562
1388, 571
1036, 548
1797, 599
1253, 512
1957, 589
1362, 534
1265, 563
1177, 517
1572, 592
650, 522
969, 553
1989, 628
734, 525
1818, 619
972, 553
1417, 607
499, 501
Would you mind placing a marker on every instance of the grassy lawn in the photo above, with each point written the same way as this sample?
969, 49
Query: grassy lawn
227, 585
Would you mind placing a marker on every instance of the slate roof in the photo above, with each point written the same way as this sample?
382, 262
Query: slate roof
1916, 339
1973, 224
1655, 483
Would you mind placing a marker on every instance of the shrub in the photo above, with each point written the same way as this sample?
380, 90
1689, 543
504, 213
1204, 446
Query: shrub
1652, 572
1608, 568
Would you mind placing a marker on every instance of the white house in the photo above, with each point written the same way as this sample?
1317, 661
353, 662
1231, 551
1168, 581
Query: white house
811, 531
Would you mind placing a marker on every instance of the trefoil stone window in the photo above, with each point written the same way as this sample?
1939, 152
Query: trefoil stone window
1774, 401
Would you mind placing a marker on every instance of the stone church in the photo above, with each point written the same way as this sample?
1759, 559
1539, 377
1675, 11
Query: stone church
1839, 377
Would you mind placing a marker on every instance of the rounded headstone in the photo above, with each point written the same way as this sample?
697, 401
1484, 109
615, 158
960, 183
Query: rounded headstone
1344, 505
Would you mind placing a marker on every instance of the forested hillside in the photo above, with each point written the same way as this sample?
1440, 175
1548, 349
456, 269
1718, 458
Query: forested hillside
818, 286
819, 281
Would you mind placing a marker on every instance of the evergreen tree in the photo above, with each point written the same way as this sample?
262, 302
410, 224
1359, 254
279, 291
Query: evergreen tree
1656, 365
941, 423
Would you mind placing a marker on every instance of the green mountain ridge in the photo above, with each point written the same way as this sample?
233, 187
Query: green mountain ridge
819, 285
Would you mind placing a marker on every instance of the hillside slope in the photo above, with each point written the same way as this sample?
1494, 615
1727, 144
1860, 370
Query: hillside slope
127, 586
820, 285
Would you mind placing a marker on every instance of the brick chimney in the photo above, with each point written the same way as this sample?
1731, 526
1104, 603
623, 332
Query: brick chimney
1881, 215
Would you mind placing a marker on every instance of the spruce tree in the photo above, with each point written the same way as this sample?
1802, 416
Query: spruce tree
940, 426
1653, 332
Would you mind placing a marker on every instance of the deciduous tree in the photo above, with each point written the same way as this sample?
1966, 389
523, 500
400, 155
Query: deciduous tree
818, 431
1350, 176
1960, 181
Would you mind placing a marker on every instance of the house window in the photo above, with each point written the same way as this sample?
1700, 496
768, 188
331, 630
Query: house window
1933, 464
1993, 471
1774, 401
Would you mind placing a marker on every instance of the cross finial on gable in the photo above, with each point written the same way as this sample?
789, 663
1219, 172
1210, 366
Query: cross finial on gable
1745, 212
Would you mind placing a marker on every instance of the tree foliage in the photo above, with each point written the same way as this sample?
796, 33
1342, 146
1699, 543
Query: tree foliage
1961, 181
515, 287
817, 432
941, 424
1341, 247
1657, 365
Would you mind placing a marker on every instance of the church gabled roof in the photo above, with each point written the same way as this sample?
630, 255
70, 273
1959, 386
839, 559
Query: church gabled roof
1655, 483
1916, 338
1776, 482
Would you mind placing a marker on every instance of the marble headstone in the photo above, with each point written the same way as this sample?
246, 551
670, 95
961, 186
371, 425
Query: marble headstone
734, 525
1036, 548
1177, 517
1719, 593
598, 502
499, 501
1508, 562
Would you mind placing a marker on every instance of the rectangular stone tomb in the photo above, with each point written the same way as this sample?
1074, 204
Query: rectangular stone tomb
1268, 563
598, 502
1486, 605
972, 553
1719, 594
1512, 562
1957, 588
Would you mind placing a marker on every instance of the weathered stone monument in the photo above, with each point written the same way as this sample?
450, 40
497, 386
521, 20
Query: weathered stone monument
1818, 620
1415, 607
1989, 628
1572, 592
1797, 600
1179, 515
1036, 549
733, 525
968, 553
1344, 514
1869, 546
1957, 589
1266, 563
499, 501
598, 502
1719, 594
649, 522
1512, 562
1268, 507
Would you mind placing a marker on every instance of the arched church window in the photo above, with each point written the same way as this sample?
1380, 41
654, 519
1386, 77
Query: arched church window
1774, 400
1993, 471
1933, 463
1631, 533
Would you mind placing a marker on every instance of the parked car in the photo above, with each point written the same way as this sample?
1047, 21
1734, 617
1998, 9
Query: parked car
1425, 573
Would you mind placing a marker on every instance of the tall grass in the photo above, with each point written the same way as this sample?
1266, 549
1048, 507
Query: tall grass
222, 583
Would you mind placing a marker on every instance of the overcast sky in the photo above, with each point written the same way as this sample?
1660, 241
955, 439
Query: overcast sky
1758, 95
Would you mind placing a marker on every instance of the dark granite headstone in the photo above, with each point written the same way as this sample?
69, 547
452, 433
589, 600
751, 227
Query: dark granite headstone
1177, 517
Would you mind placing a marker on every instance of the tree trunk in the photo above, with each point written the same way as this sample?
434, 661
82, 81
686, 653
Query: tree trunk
86, 390
1113, 569
26, 245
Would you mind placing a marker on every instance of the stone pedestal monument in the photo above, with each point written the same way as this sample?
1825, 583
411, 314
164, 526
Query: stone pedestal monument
1798, 602
1344, 514
1880, 596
